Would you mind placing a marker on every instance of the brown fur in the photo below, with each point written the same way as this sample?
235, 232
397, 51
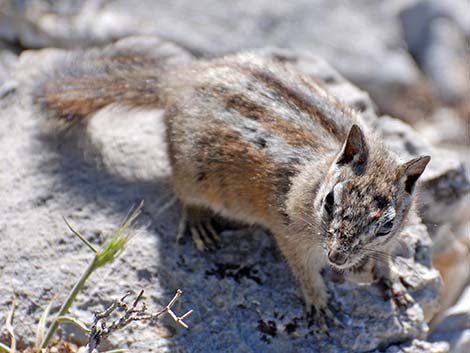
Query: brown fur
122, 79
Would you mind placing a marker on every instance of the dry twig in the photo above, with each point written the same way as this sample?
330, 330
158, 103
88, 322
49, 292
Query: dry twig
101, 329
9, 328
9, 325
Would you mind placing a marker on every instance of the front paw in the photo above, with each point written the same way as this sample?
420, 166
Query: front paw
198, 223
395, 290
322, 317
319, 312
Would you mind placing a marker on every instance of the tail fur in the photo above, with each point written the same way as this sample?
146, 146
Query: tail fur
128, 72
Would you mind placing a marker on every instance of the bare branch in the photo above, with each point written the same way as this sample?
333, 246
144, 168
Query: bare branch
9, 325
100, 329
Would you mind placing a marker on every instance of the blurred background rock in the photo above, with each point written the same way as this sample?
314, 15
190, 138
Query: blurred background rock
411, 56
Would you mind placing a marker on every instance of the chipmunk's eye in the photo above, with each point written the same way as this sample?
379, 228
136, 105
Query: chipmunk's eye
385, 229
329, 203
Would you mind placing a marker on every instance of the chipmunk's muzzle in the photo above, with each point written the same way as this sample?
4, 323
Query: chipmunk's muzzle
346, 259
337, 258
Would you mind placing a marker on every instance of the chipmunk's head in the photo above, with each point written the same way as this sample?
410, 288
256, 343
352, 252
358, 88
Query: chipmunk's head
363, 200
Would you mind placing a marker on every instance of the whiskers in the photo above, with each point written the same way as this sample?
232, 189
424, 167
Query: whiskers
385, 257
318, 227
319, 230
324, 235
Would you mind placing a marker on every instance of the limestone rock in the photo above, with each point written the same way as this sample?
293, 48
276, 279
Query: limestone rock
7, 85
443, 188
417, 346
436, 37
454, 327
446, 61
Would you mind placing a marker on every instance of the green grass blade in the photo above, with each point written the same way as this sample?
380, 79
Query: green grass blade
78, 234
73, 321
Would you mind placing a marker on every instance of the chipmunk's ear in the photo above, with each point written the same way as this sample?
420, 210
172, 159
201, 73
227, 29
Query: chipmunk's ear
410, 171
354, 149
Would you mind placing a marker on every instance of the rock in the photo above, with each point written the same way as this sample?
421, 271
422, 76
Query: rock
444, 186
454, 326
446, 61
413, 103
7, 58
67, 24
445, 128
417, 346
451, 255
451, 240
438, 42
416, 20
416, 16
370, 38
244, 297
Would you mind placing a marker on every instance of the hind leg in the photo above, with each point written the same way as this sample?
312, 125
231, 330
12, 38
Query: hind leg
197, 221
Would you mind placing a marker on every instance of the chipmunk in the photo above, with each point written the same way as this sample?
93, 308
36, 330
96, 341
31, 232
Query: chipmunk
253, 139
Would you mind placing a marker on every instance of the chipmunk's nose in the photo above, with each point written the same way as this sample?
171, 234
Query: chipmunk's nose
336, 257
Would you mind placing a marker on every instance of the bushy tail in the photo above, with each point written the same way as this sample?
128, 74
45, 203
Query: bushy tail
128, 72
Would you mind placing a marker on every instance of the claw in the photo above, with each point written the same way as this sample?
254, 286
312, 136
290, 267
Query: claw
209, 243
200, 245
323, 317
315, 318
396, 291
213, 234
181, 229
330, 315
400, 295
197, 222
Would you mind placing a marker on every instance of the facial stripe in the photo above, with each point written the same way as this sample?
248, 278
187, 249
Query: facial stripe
389, 215
338, 192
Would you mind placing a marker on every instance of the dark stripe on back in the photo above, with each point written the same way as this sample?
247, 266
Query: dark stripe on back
298, 98
267, 118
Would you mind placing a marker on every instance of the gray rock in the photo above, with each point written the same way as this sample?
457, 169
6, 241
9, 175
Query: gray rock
446, 60
443, 188
416, 20
362, 40
244, 296
417, 346
7, 58
438, 42
445, 128
454, 327
416, 17
36, 24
